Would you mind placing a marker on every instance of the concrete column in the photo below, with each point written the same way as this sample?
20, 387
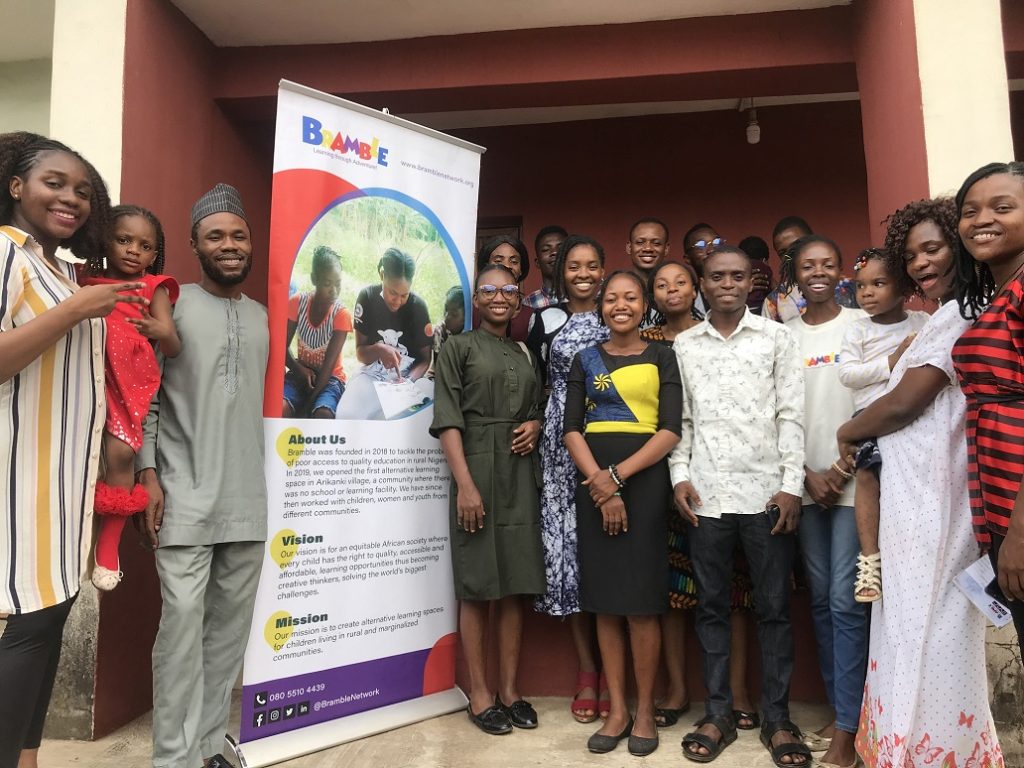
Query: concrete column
885, 49
965, 102
86, 114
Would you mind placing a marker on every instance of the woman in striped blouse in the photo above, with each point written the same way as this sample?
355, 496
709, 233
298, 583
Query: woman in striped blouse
989, 360
51, 397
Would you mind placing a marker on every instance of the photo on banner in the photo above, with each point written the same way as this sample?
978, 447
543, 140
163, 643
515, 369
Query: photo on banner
372, 226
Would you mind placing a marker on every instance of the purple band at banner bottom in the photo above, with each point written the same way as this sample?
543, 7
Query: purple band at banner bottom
277, 706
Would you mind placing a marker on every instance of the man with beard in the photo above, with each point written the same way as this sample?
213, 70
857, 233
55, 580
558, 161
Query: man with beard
202, 464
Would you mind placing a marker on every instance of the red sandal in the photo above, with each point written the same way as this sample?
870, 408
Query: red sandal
579, 707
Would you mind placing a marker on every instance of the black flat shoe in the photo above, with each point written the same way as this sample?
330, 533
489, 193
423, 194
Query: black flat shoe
491, 721
666, 718
600, 744
520, 713
641, 746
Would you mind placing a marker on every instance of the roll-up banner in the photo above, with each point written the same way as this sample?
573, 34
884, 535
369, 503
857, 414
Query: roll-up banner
355, 620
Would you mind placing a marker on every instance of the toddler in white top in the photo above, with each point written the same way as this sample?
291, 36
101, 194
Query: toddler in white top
871, 346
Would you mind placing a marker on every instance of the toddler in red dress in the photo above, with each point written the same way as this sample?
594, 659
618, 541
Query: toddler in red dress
136, 253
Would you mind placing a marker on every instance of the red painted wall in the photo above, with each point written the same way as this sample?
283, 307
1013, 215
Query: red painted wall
599, 176
177, 143
885, 46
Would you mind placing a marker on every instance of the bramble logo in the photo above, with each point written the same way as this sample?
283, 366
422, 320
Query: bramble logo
313, 132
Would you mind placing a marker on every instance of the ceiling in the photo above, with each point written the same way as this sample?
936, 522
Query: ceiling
292, 22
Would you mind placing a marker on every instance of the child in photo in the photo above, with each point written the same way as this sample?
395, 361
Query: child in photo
454, 323
871, 347
320, 323
135, 252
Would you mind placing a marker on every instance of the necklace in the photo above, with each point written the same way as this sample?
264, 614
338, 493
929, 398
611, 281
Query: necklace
1003, 284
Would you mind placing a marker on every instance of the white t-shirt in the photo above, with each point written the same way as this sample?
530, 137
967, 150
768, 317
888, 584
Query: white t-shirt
864, 357
827, 403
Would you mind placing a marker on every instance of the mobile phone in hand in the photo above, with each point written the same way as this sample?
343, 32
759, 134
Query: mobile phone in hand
774, 513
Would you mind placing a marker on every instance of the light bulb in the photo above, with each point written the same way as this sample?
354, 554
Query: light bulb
753, 129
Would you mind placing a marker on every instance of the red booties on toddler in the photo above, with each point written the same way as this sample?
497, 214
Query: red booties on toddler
114, 506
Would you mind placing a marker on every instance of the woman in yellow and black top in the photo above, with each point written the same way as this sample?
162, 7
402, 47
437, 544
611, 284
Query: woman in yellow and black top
623, 414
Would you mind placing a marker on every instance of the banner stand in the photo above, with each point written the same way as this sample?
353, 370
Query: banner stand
288, 746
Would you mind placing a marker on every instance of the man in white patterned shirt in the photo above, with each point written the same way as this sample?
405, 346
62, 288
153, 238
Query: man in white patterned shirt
738, 478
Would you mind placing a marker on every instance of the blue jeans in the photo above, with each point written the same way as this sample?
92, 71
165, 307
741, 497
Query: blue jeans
712, 549
327, 398
829, 545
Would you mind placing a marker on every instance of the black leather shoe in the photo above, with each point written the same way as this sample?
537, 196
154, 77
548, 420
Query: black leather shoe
491, 721
520, 713
600, 744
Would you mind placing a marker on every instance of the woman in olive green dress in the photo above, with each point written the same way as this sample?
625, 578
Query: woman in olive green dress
487, 400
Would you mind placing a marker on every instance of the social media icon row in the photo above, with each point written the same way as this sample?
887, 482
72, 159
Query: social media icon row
275, 715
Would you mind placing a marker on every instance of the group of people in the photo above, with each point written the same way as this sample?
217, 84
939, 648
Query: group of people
623, 448
102, 354
653, 440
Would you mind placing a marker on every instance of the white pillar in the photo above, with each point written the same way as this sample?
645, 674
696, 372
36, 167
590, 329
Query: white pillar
86, 96
965, 95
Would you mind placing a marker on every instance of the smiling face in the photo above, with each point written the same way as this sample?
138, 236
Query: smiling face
224, 249
132, 249
496, 299
992, 220
647, 246
726, 282
928, 258
817, 270
53, 200
583, 273
674, 290
623, 304
878, 293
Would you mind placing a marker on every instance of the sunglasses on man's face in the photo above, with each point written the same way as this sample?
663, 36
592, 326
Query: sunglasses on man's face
488, 292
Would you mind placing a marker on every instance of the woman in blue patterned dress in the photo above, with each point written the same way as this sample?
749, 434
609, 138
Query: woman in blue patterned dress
578, 274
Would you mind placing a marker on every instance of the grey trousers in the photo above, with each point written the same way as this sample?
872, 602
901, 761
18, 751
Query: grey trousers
208, 594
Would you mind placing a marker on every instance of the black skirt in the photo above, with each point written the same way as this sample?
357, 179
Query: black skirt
625, 575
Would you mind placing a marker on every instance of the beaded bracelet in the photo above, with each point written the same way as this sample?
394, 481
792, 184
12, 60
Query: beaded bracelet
614, 472
842, 472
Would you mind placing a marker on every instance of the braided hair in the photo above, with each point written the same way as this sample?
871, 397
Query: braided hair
975, 285
788, 271
324, 257
95, 261
941, 211
19, 154
894, 267
572, 241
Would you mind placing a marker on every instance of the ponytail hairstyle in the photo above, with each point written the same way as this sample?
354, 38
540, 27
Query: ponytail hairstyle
396, 264
19, 154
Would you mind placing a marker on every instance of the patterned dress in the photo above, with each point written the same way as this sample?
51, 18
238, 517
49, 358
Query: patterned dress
926, 694
558, 500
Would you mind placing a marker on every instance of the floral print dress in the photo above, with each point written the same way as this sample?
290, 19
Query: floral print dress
558, 497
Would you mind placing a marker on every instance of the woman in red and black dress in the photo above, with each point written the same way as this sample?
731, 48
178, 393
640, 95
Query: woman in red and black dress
989, 360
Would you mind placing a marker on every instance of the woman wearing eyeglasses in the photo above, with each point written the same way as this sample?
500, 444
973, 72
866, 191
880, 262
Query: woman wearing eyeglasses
700, 240
487, 404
